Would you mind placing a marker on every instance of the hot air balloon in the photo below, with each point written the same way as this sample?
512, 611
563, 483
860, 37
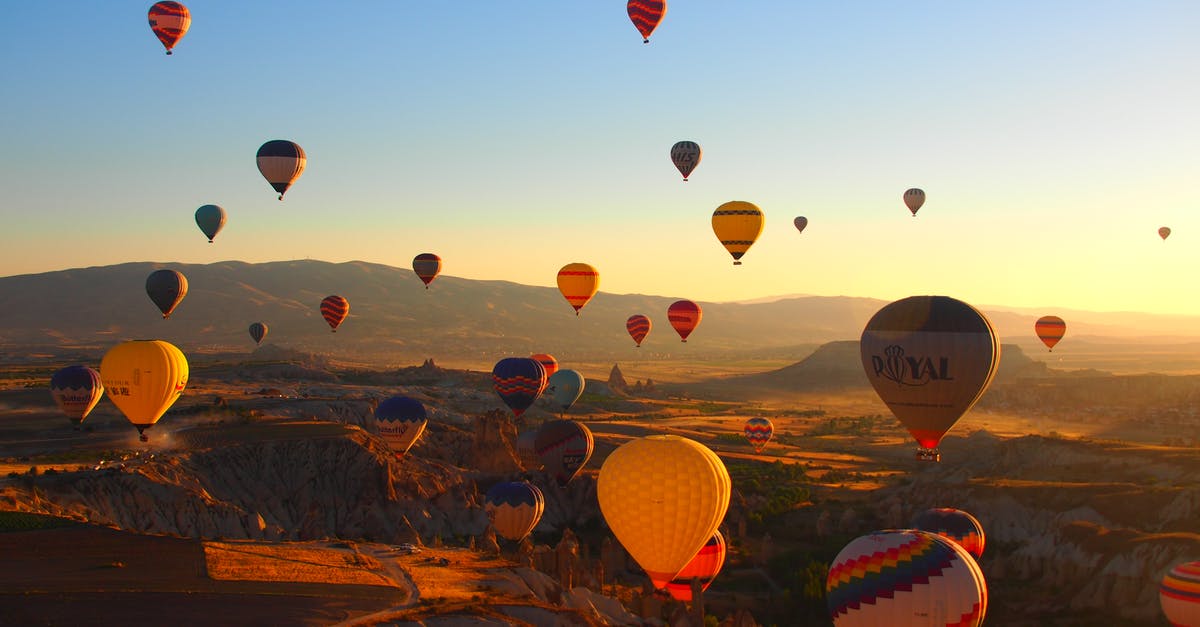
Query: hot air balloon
334, 309
1164, 231
143, 378
210, 219
564, 446
527, 451
578, 283
166, 289
519, 381
913, 199
170, 22
686, 156
737, 224
427, 266
704, 566
76, 390
663, 496
929, 358
758, 431
646, 14
1050, 329
638, 327
281, 163
953, 524
905, 578
801, 222
548, 362
1179, 594
565, 387
401, 421
515, 508
684, 316
258, 331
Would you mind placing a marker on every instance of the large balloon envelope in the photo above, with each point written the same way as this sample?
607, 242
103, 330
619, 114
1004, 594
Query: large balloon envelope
281, 162
684, 316
76, 390
565, 387
564, 446
334, 309
758, 431
401, 421
737, 225
913, 199
170, 22
578, 283
686, 156
638, 327
166, 289
929, 358
1179, 594
427, 266
143, 379
1164, 231
663, 496
953, 524
704, 566
519, 381
1050, 329
905, 578
258, 331
515, 508
210, 219
645, 15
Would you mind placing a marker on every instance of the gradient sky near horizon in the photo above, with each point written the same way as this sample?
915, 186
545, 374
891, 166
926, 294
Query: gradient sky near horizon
1053, 139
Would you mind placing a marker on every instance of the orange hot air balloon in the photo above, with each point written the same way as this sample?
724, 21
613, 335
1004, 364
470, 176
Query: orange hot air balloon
663, 496
1164, 231
170, 22
704, 566
913, 199
334, 309
578, 283
929, 358
1050, 329
548, 362
638, 327
737, 225
645, 15
684, 316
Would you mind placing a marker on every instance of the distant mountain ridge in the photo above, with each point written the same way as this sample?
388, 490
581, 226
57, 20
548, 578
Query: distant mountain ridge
392, 316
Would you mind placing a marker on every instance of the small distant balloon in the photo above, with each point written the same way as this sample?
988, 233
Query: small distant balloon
638, 327
518, 381
565, 387
76, 390
210, 219
166, 289
514, 507
334, 309
684, 316
281, 162
1050, 329
1164, 231
758, 432
170, 22
401, 422
549, 363
913, 199
564, 447
578, 283
686, 156
953, 524
737, 225
427, 266
645, 15
801, 222
258, 331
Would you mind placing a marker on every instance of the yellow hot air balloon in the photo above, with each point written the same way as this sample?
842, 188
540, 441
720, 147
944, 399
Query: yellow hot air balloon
663, 496
737, 224
578, 283
143, 379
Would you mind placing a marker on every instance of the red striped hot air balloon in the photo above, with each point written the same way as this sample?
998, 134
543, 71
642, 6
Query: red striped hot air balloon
645, 15
704, 566
1179, 594
427, 266
953, 524
170, 22
638, 327
548, 362
578, 283
684, 316
1050, 329
335, 309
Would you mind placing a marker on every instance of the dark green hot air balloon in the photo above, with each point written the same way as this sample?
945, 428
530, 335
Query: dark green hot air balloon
166, 288
210, 219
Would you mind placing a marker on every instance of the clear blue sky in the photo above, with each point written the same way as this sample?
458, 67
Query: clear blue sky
1052, 139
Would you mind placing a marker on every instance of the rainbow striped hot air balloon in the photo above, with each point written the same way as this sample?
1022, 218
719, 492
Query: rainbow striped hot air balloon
1179, 595
905, 578
704, 566
519, 381
334, 309
953, 524
638, 327
578, 283
758, 431
645, 15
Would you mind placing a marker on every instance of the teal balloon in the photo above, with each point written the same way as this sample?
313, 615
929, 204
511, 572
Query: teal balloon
210, 219
564, 388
